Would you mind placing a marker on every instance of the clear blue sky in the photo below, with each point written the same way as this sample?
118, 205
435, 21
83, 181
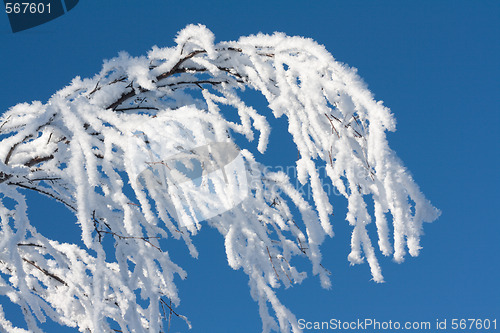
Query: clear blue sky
434, 63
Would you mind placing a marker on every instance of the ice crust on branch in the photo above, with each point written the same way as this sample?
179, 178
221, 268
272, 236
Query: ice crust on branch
143, 154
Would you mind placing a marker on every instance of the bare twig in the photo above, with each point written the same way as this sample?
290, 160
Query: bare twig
271, 259
333, 127
46, 272
136, 108
37, 160
43, 192
100, 232
31, 244
96, 87
5, 122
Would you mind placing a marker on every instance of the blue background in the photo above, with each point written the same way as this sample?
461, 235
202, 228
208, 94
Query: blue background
435, 64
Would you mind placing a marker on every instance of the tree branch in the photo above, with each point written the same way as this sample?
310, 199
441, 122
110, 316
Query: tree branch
160, 77
46, 272
43, 192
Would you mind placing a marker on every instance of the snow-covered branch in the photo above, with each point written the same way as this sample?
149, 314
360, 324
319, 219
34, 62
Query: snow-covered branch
144, 152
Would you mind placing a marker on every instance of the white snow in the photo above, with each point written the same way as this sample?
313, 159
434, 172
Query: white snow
114, 162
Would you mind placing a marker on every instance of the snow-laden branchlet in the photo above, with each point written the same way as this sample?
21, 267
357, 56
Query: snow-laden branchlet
121, 149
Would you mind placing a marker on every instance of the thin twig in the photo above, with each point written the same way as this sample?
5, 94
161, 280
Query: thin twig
137, 108
111, 232
37, 160
46, 272
333, 127
31, 244
43, 192
5, 122
271, 259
